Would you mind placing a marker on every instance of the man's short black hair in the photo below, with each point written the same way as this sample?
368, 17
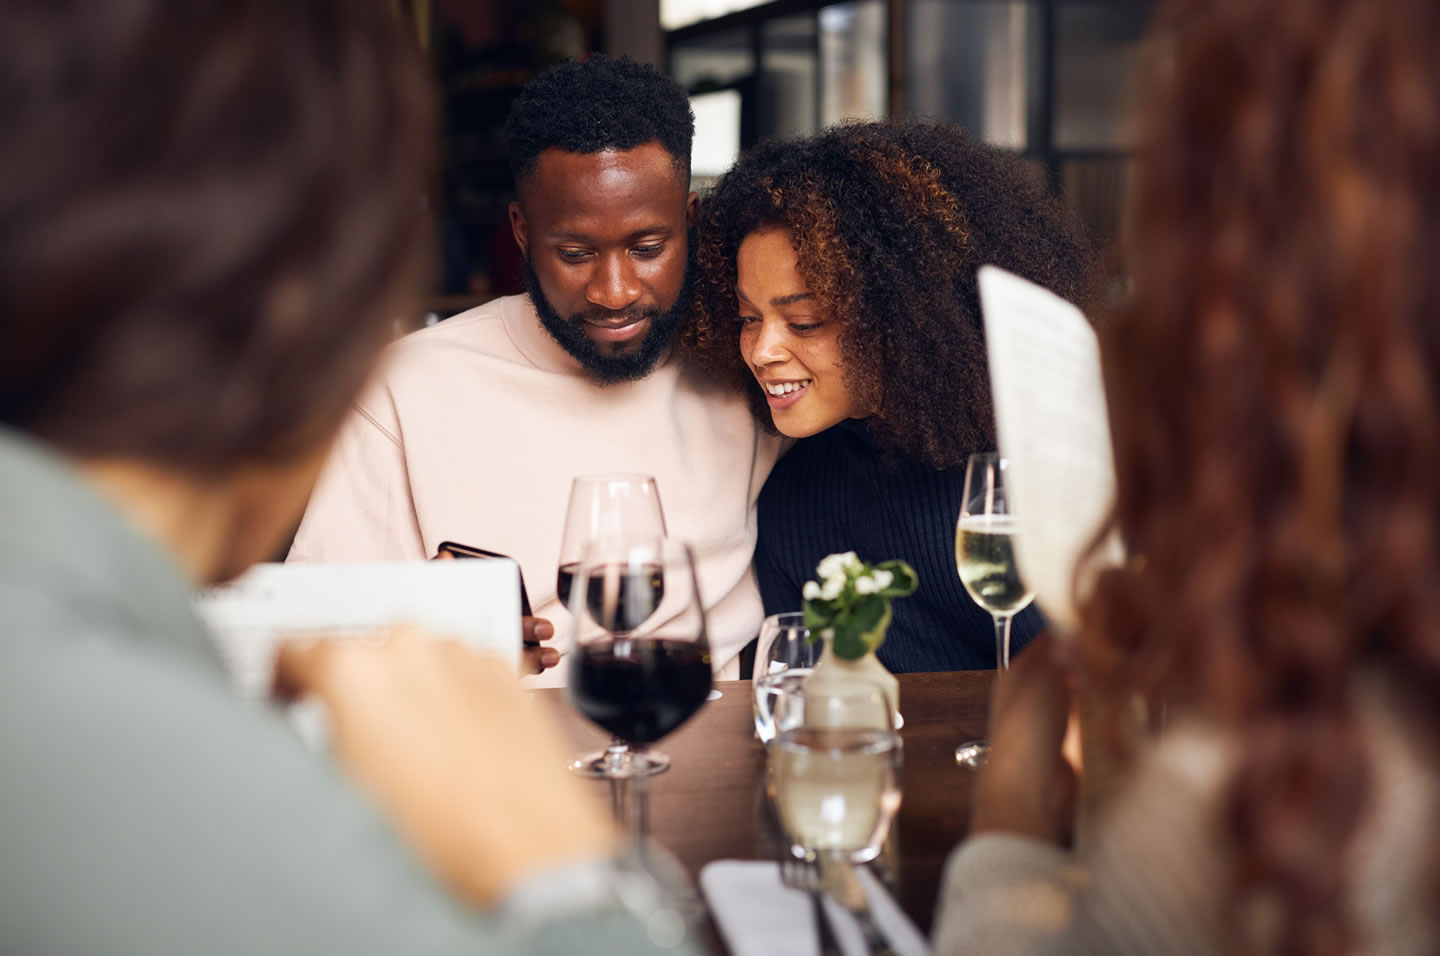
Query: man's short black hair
586, 106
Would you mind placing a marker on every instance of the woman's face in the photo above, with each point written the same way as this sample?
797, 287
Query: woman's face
792, 349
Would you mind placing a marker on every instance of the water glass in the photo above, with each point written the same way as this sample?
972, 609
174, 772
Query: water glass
834, 770
784, 657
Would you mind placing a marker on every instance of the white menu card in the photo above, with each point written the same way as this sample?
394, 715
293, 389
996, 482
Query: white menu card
1052, 425
477, 602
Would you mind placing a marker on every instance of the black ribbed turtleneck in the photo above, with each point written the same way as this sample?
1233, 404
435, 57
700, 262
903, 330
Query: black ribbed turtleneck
836, 492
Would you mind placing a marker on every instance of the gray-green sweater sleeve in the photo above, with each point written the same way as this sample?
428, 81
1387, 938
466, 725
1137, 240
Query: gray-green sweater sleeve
144, 810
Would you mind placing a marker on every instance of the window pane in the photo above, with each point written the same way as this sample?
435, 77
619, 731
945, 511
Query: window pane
789, 102
717, 133
715, 59
1097, 49
967, 64
853, 57
675, 14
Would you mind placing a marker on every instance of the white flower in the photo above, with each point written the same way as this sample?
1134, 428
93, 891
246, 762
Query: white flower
831, 566
810, 591
883, 579
832, 588
837, 566
865, 584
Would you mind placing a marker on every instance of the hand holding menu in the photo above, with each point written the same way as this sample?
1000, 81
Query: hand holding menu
477, 602
1052, 425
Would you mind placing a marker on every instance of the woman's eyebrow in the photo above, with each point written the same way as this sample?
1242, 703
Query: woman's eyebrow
779, 300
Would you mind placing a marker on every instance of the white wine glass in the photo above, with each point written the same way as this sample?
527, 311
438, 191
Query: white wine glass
985, 559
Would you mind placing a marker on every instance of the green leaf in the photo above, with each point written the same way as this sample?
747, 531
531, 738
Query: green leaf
874, 635
906, 580
819, 614
863, 629
848, 642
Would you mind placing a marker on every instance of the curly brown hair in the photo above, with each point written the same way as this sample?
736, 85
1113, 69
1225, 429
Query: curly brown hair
890, 224
1274, 386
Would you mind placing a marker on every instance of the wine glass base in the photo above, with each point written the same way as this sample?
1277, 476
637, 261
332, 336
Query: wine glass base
972, 754
601, 765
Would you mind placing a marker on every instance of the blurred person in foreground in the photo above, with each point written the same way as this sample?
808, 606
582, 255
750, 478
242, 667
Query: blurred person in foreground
476, 427
1274, 389
837, 290
211, 211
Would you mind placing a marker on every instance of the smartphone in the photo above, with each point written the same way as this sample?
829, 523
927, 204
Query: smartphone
466, 551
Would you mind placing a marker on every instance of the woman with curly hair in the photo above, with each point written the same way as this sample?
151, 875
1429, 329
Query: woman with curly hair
1274, 388
837, 284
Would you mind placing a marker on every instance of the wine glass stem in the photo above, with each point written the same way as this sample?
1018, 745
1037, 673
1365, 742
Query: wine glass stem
630, 800
618, 754
640, 811
629, 793
1002, 642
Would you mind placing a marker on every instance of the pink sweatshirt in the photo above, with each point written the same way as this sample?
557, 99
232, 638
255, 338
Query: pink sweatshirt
473, 431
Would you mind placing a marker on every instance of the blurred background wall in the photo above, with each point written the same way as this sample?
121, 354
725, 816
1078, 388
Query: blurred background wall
1051, 79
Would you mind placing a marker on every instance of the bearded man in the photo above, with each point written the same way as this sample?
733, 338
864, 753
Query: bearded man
477, 426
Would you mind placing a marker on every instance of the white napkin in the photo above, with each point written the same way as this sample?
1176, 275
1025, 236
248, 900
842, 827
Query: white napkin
759, 916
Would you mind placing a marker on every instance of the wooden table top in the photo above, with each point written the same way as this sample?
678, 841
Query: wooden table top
711, 805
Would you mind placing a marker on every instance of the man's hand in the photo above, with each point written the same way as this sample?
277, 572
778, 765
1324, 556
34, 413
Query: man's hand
537, 659
462, 761
1026, 785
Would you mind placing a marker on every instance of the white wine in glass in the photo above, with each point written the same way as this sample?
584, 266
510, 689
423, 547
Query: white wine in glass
985, 559
985, 556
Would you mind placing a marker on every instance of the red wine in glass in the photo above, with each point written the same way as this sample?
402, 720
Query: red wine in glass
624, 605
640, 664
606, 506
563, 580
640, 689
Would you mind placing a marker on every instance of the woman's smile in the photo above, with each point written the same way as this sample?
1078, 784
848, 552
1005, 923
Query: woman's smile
784, 394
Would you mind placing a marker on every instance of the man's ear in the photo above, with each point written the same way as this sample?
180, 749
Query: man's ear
519, 229
692, 209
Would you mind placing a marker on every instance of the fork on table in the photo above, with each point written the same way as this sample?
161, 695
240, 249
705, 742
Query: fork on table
804, 875
839, 879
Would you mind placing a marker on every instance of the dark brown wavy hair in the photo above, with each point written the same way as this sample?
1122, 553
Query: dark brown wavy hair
890, 224
1274, 386
207, 211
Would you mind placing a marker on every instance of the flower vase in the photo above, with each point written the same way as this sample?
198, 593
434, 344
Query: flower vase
834, 670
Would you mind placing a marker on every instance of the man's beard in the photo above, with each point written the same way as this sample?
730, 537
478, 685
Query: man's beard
600, 367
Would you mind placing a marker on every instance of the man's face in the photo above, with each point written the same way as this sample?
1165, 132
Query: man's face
604, 238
